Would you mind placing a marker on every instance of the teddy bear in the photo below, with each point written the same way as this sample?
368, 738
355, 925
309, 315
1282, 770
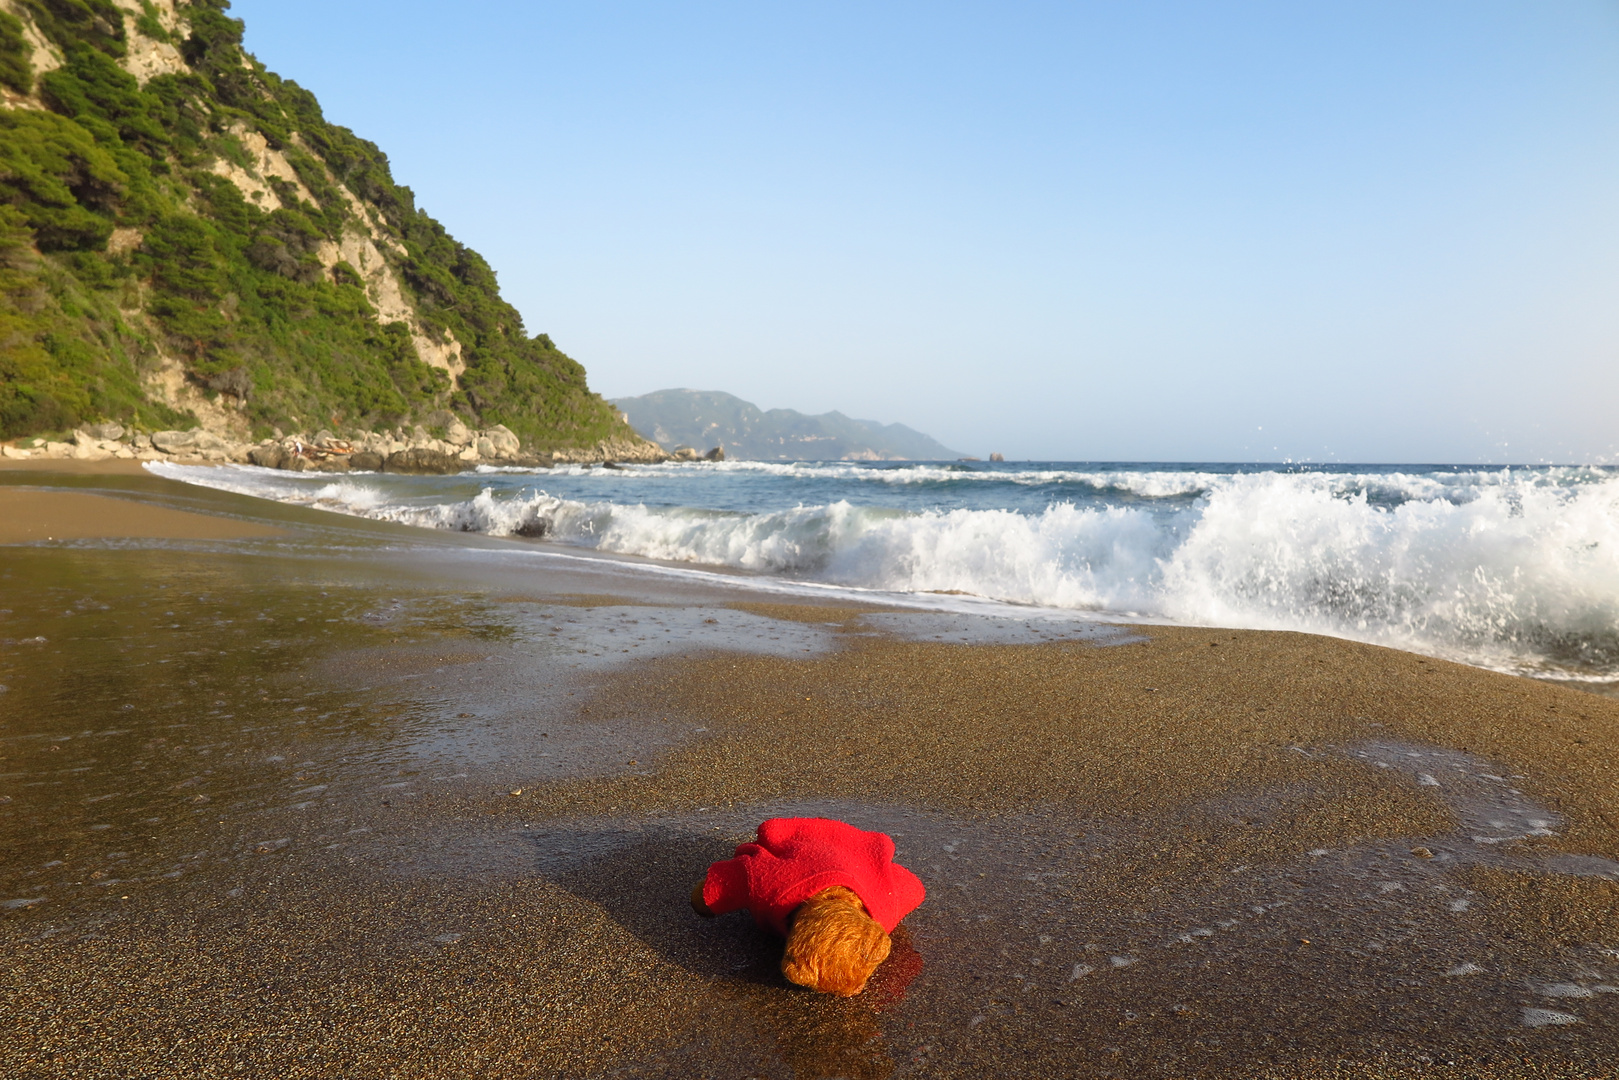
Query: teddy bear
832, 890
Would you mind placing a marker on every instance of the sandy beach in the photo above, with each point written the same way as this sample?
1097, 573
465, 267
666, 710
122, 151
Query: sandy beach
285, 792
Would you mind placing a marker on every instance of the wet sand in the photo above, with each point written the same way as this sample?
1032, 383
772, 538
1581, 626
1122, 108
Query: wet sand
30, 515
361, 801
71, 467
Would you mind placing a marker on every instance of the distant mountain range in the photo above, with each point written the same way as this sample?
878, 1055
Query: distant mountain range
707, 418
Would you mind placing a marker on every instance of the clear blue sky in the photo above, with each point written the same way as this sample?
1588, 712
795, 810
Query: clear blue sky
1355, 231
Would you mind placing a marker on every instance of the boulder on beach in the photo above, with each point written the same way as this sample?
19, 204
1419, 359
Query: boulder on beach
505, 443
173, 442
188, 442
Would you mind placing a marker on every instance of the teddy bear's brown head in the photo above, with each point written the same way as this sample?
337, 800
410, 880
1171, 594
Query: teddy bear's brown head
833, 945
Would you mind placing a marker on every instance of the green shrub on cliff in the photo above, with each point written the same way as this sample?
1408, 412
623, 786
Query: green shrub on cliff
16, 64
65, 186
248, 299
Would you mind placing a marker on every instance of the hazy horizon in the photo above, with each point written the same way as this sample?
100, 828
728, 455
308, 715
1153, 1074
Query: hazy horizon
1164, 232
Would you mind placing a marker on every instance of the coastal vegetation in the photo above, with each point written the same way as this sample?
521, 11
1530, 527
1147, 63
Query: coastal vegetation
185, 239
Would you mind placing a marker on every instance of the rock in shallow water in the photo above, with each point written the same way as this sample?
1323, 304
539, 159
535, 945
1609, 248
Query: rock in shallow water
422, 460
268, 456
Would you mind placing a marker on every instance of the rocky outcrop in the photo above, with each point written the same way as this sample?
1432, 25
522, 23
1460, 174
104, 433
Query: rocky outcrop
189, 442
636, 451
421, 459
689, 453
417, 451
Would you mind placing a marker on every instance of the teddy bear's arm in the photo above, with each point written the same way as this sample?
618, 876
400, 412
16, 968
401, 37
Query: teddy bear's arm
724, 890
697, 904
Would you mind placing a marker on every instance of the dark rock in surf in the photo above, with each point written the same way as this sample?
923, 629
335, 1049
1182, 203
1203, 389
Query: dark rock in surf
268, 456
422, 461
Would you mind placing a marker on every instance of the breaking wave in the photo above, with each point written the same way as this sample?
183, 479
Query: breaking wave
1512, 569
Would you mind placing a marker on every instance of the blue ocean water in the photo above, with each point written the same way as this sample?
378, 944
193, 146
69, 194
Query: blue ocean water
1510, 568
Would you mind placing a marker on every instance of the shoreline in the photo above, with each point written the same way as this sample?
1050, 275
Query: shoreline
406, 789
72, 525
105, 466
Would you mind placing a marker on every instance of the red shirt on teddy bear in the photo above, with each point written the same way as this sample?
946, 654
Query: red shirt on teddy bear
795, 858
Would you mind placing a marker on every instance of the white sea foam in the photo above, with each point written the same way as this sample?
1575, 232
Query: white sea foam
1145, 483
1514, 570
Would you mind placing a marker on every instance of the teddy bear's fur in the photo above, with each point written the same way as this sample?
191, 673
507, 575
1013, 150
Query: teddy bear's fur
833, 945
